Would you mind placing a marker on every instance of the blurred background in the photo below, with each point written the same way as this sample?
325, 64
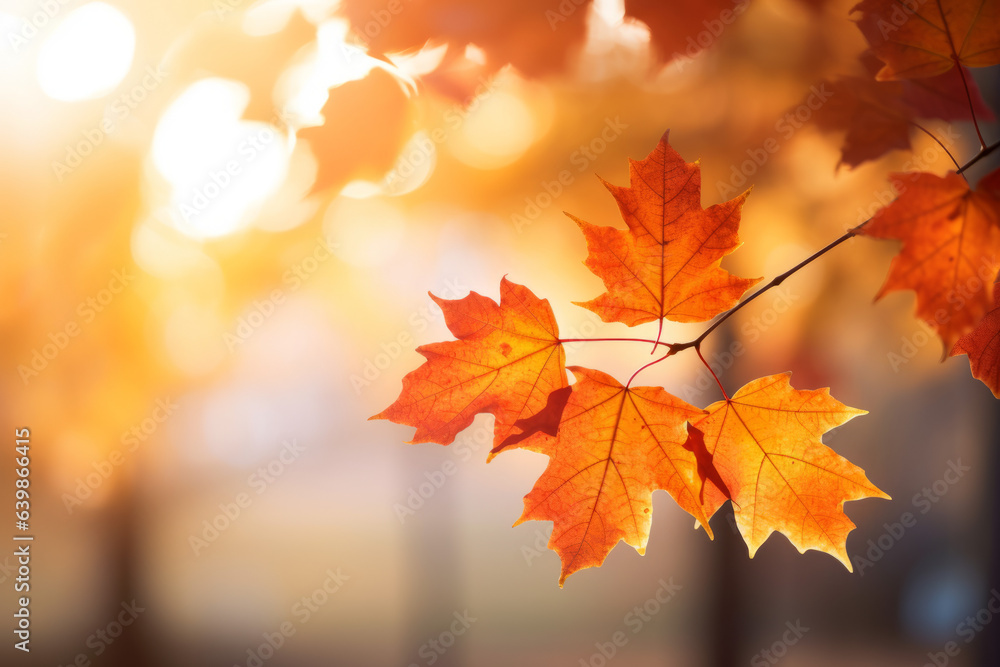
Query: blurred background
220, 223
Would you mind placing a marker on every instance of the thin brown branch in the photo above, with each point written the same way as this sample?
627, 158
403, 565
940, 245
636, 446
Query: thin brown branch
777, 280
674, 348
943, 147
979, 156
968, 96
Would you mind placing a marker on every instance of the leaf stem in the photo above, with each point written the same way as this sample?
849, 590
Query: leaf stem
697, 348
939, 143
669, 353
961, 73
968, 96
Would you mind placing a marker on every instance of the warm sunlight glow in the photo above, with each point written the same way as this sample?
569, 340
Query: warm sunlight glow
424, 61
162, 251
475, 54
221, 168
610, 11
193, 338
88, 54
340, 61
616, 44
366, 232
9, 25
331, 62
361, 190
496, 131
268, 17
413, 168
261, 259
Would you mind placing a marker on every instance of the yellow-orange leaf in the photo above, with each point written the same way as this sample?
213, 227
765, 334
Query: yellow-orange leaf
951, 248
666, 264
926, 38
614, 447
766, 445
879, 116
506, 362
982, 345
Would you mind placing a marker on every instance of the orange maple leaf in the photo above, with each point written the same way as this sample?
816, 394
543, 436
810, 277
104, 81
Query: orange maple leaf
536, 39
677, 28
366, 123
982, 345
873, 114
766, 445
878, 116
506, 362
944, 96
614, 446
951, 248
918, 39
666, 264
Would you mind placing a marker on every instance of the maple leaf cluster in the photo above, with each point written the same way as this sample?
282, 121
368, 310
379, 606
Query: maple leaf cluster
611, 445
914, 69
950, 232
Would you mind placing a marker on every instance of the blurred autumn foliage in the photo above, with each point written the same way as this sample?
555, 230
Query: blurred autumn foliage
205, 180
205, 191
